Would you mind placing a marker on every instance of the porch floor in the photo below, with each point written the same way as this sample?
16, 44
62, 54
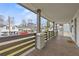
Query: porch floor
60, 46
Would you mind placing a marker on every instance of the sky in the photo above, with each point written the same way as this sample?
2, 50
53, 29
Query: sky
18, 12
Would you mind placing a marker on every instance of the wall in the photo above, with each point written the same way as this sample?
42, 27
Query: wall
72, 30
76, 16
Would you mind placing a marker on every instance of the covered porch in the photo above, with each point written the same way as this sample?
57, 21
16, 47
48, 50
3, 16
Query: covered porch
48, 43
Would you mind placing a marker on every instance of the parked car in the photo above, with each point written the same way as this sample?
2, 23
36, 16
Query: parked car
23, 33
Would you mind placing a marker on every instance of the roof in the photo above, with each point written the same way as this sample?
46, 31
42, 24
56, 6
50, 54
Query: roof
58, 12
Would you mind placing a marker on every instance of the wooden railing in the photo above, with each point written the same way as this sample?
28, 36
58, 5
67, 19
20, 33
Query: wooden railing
50, 34
16, 45
45, 35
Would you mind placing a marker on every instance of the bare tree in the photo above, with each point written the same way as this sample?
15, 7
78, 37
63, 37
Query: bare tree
1, 20
10, 21
23, 24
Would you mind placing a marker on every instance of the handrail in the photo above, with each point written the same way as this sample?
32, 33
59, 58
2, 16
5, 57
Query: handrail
8, 38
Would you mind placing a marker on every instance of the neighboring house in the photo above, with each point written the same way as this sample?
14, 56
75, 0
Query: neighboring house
10, 30
30, 27
5, 31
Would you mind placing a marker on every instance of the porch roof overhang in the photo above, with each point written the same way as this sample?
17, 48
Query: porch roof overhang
58, 12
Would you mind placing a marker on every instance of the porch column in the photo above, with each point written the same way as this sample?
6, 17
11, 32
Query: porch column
40, 41
56, 30
48, 25
75, 25
38, 20
53, 28
48, 32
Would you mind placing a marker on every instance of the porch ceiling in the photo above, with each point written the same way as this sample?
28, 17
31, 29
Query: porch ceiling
58, 12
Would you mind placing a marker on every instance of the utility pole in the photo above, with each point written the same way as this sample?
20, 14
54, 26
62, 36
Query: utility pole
9, 25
